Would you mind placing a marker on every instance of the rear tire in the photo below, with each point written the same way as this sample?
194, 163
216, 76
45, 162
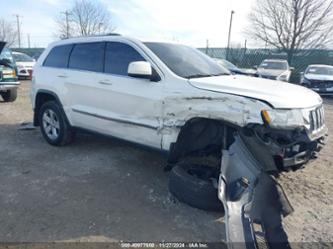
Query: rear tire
54, 125
192, 189
9, 95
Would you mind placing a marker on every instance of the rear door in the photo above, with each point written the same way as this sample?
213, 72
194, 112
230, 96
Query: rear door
85, 69
52, 73
105, 99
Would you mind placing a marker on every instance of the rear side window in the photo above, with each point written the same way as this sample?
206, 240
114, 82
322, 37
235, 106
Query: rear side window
58, 57
88, 56
118, 56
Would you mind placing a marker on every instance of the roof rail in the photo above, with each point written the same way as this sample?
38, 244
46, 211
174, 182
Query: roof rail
83, 36
113, 34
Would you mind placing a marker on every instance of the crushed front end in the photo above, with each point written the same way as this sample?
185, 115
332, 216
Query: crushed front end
254, 202
287, 148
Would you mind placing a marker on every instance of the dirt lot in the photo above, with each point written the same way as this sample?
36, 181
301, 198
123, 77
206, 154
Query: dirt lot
101, 189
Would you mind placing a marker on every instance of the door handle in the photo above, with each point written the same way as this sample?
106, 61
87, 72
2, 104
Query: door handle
62, 76
105, 82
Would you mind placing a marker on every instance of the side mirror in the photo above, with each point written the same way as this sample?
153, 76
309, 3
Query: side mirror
292, 68
140, 69
255, 67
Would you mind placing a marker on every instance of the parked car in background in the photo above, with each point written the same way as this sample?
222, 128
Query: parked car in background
318, 78
274, 69
8, 77
24, 64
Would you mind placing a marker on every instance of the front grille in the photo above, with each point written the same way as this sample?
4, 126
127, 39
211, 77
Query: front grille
317, 119
321, 84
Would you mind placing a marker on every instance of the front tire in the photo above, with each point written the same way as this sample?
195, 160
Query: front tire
192, 184
9, 95
54, 125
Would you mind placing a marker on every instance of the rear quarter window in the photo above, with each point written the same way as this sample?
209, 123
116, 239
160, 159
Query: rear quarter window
58, 56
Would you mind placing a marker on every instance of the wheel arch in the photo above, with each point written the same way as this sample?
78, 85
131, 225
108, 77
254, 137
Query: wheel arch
42, 97
201, 135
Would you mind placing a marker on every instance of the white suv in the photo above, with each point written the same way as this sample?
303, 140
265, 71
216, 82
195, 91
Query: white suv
150, 93
174, 98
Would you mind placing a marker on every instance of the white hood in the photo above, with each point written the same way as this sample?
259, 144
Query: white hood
278, 94
319, 77
27, 64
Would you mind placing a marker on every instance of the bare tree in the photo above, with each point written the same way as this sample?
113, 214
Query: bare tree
86, 17
290, 25
8, 32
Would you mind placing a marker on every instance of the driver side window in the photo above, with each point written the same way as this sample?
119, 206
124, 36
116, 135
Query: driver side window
118, 56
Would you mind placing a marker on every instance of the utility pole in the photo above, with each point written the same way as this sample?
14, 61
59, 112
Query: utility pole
207, 46
229, 35
28, 40
66, 13
99, 27
18, 30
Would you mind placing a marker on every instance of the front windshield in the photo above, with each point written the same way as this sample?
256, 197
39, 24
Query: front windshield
185, 61
275, 65
320, 70
22, 58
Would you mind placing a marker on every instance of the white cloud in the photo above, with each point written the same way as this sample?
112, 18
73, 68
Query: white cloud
185, 20
54, 2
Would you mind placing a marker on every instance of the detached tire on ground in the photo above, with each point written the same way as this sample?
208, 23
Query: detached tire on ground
192, 184
54, 125
9, 95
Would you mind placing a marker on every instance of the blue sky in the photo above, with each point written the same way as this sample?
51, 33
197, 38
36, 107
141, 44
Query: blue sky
187, 21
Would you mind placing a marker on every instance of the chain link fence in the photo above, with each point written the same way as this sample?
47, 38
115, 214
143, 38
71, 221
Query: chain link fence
33, 52
248, 58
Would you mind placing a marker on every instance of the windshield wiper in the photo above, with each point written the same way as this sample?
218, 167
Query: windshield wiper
199, 76
205, 75
220, 74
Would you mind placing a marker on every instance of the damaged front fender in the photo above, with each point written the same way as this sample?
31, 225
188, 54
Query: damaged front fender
254, 203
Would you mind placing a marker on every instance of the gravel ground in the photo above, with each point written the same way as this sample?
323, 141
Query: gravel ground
101, 189
96, 189
310, 191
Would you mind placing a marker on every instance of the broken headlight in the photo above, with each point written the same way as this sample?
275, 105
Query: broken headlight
281, 118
